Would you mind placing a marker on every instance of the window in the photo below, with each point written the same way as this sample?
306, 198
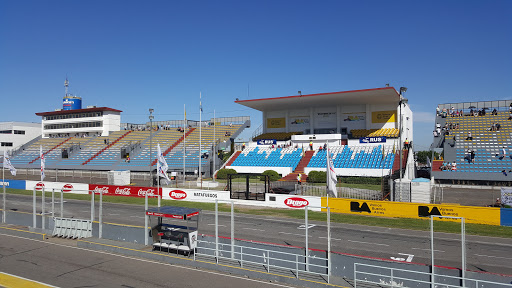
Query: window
5, 132
6, 144
21, 132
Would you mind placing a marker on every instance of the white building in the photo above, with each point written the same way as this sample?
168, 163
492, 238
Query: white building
15, 134
91, 121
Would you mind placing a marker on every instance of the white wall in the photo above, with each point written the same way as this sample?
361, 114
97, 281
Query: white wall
260, 169
362, 172
32, 130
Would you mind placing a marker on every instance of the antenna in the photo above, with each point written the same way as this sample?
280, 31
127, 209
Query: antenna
66, 84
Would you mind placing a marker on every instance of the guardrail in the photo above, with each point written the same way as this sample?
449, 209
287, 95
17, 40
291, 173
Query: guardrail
395, 277
296, 263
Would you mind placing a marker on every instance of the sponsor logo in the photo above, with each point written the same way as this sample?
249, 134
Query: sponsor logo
39, 186
205, 195
177, 194
69, 101
356, 207
122, 191
142, 192
4, 183
424, 211
67, 188
102, 190
296, 202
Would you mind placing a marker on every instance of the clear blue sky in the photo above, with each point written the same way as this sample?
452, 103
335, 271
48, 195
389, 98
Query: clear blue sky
135, 55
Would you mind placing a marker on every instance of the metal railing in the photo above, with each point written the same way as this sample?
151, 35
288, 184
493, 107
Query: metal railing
343, 192
395, 277
268, 258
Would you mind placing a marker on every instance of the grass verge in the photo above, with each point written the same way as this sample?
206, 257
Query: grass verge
402, 223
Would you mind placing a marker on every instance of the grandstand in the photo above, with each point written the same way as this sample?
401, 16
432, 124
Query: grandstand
487, 144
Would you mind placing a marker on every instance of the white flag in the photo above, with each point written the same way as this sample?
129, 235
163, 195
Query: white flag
8, 165
331, 175
161, 165
41, 155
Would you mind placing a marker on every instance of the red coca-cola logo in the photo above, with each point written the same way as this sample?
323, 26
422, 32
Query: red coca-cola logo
296, 202
177, 194
122, 191
39, 186
67, 188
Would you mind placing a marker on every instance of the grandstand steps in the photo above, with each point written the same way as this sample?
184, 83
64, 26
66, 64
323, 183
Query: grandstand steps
60, 144
396, 163
175, 144
436, 165
108, 146
300, 168
233, 158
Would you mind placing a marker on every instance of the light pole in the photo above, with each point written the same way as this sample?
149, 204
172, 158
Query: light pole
151, 117
402, 91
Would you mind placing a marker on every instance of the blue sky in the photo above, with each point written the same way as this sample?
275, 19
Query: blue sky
135, 55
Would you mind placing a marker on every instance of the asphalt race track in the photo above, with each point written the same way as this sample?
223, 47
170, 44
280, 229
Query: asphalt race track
487, 254
65, 266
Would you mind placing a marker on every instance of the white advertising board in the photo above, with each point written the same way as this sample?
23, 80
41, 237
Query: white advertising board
293, 201
196, 195
76, 188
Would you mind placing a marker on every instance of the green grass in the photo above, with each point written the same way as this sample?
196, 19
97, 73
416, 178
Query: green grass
403, 223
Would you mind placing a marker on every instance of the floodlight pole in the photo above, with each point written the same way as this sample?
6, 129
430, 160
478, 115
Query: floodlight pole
151, 117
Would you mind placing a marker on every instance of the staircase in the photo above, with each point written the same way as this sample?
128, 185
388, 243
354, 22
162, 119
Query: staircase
108, 146
174, 145
233, 158
300, 169
50, 150
396, 163
436, 165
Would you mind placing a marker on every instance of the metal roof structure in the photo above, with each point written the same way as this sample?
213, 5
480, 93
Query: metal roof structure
385, 95
64, 112
173, 212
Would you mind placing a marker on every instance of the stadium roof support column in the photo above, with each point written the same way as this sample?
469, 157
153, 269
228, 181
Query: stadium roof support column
368, 116
286, 117
338, 118
311, 120
264, 121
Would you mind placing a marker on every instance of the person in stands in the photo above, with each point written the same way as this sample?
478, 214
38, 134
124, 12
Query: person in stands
469, 136
311, 145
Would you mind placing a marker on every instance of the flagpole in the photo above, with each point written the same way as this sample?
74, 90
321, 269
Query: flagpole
200, 140
184, 141
214, 152
3, 195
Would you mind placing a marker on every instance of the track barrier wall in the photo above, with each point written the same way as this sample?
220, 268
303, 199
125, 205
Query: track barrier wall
476, 215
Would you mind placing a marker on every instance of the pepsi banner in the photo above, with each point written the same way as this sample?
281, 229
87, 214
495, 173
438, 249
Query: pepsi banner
367, 140
267, 141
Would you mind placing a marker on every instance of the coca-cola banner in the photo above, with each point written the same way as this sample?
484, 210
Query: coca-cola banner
130, 191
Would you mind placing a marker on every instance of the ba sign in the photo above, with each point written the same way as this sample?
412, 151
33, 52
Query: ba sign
267, 141
367, 140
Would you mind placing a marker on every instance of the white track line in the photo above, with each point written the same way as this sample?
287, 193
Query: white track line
493, 256
148, 261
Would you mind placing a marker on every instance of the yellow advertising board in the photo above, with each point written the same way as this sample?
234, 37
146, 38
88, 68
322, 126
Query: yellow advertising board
383, 116
478, 215
276, 122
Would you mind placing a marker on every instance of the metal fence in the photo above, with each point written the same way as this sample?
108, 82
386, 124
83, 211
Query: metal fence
343, 192
395, 277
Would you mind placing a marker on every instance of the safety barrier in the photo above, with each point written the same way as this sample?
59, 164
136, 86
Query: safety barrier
72, 228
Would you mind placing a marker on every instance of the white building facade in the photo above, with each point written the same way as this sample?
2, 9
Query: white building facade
15, 134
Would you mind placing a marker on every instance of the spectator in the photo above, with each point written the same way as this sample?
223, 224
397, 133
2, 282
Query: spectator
325, 146
503, 153
243, 146
454, 166
494, 112
299, 177
435, 133
311, 145
438, 111
469, 136
498, 126
406, 143
510, 116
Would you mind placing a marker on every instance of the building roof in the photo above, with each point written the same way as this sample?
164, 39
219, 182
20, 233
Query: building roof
64, 112
385, 95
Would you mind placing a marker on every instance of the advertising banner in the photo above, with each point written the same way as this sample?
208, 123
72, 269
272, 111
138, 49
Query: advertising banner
130, 191
354, 117
196, 195
276, 122
14, 184
383, 116
368, 140
293, 201
506, 196
267, 141
479, 215
299, 123
76, 188
325, 120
